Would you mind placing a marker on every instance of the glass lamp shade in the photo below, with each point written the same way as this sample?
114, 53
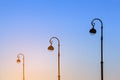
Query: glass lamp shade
18, 60
93, 31
50, 47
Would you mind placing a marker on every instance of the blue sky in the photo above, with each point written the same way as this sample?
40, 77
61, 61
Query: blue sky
27, 25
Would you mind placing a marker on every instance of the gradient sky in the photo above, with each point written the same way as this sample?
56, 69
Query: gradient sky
27, 25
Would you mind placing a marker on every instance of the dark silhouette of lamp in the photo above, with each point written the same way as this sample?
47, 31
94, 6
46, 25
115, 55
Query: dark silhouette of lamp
18, 61
52, 48
93, 31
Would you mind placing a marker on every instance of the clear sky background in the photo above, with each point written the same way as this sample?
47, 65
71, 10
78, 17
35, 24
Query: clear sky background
27, 25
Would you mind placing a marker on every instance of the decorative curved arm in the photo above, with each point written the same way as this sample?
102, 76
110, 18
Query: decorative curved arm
20, 54
93, 23
54, 38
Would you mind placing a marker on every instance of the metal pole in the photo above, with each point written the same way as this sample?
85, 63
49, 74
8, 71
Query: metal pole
58, 61
23, 70
102, 52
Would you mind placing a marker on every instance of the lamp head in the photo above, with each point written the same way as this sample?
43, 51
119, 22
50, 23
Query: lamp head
18, 60
92, 30
50, 47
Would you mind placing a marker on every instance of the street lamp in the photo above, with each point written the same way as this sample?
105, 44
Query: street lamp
52, 48
93, 31
18, 61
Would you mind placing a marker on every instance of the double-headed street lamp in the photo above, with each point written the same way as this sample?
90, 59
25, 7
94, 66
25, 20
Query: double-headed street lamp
52, 48
18, 61
92, 30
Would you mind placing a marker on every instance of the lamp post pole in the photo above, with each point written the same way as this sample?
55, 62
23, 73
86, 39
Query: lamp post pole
94, 31
18, 61
52, 48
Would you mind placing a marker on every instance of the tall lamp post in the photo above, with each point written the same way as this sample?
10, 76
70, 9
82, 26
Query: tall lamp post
18, 61
93, 30
52, 48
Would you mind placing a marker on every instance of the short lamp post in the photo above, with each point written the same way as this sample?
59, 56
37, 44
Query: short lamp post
93, 30
18, 61
52, 48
